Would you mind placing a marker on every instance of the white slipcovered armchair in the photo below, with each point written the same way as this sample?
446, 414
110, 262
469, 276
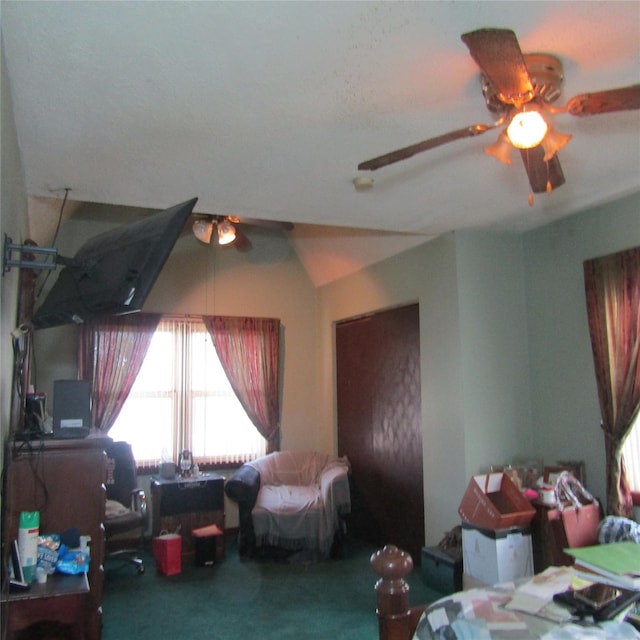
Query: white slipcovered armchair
291, 500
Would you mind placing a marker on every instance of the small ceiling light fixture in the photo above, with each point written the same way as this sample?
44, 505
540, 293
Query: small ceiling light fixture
363, 183
203, 229
226, 232
527, 129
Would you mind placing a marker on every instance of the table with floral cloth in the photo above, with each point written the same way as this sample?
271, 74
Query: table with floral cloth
506, 612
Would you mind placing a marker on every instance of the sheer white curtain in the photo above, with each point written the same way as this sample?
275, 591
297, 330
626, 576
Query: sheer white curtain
631, 453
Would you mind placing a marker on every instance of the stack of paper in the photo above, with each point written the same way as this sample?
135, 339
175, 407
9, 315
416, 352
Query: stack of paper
536, 595
617, 563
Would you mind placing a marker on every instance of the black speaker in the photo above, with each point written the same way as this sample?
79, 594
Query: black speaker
71, 408
34, 414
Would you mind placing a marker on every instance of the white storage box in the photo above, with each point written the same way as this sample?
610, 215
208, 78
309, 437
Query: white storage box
496, 555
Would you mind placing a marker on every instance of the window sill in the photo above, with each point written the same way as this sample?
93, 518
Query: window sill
154, 470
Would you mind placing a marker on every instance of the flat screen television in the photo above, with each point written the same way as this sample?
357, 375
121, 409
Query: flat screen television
113, 272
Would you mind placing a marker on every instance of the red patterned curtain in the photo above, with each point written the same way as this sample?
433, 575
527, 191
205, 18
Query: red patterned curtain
249, 350
110, 354
612, 286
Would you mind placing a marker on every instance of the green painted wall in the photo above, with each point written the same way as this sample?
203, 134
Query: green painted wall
474, 361
428, 275
565, 409
506, 361
494, 349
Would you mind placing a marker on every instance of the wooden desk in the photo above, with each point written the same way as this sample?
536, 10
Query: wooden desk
64, 480
188, 504
62, 599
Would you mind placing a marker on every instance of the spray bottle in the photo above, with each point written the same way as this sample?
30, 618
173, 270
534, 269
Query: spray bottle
28, 531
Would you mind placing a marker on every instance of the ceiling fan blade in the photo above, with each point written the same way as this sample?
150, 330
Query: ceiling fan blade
497, 53
425, 145
540, 172
588, 104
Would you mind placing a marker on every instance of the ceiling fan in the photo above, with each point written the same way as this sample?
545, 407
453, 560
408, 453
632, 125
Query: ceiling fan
521, 88
229, 229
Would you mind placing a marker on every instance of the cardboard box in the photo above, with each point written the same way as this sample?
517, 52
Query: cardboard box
469, 582
441, 572
494, 556
492, 501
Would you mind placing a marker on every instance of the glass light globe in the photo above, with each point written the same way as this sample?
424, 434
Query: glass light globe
226, 232
202, 229
527, 129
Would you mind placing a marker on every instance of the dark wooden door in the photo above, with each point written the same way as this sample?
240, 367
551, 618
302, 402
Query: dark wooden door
380, 426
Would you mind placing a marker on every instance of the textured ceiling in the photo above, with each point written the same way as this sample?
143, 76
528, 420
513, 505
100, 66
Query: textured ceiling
265, 109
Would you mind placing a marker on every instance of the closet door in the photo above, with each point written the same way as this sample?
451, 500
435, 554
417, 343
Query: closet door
380, 426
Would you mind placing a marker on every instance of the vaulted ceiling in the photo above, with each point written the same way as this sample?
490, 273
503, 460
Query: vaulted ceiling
265, 110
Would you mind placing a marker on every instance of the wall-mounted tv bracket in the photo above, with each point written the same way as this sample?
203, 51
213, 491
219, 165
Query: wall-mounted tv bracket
50, 258
47, 263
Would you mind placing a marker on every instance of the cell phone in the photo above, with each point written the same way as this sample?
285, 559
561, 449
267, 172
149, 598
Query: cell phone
16, 575
597, 595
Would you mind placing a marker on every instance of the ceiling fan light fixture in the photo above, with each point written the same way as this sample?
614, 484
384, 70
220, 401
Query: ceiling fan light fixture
203, 229
226, 232
501, 149
527, 129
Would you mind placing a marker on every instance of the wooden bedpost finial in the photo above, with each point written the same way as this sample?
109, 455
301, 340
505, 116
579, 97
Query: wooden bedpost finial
392, 565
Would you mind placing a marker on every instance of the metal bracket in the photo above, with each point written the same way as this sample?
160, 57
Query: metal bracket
41, 265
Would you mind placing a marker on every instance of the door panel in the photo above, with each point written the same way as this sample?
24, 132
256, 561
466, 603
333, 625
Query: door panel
380, 426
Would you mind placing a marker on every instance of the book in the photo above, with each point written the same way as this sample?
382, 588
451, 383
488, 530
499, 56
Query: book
617, 562
595, 574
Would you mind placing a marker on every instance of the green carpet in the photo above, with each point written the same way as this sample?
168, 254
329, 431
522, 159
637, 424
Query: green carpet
331, 600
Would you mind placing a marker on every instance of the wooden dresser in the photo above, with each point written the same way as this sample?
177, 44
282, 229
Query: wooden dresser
64, 481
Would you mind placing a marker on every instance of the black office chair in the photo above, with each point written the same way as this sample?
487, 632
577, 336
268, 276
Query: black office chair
126, 508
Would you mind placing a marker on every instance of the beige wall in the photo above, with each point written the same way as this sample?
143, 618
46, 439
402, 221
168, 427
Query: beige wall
203, 279
13, 208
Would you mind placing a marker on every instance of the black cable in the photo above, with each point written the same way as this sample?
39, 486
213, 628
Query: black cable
35, 458
20, 352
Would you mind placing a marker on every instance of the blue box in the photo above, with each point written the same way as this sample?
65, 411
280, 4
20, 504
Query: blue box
441, 571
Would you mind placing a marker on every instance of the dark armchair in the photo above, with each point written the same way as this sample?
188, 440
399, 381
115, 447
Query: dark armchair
126, 508
243, 488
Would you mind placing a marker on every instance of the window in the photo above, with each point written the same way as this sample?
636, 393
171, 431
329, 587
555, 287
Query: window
631, 453
182, 399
